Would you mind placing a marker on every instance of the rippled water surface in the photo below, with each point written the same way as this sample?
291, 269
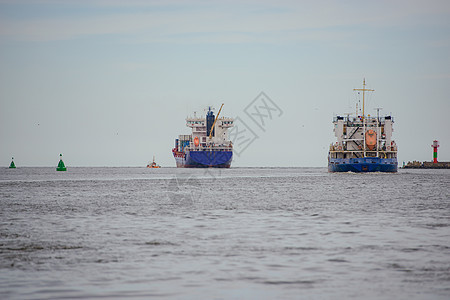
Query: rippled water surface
254, 233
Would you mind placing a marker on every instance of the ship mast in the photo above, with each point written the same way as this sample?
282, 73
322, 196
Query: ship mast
363, 115
364, 90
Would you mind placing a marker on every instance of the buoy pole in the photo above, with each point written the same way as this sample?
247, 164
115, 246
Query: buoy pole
435, 146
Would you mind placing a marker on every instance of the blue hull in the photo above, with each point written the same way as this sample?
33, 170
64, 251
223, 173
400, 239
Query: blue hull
366, 164
205, 159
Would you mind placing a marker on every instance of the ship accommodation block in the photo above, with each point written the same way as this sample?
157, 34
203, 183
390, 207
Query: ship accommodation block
219, 138
352, 137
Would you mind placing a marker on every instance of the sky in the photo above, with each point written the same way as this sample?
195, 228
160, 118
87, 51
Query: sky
110, 83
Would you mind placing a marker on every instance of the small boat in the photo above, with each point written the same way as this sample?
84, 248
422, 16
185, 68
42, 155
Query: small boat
153, 164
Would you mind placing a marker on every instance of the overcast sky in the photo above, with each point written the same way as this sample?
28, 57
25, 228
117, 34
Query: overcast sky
110, 83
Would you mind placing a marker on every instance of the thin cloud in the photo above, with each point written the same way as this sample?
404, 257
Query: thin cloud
219, 23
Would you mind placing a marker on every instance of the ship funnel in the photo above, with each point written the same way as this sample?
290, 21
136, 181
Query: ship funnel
209, 121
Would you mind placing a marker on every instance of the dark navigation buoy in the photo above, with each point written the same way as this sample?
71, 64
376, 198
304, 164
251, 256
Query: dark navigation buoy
61, 166
12, 165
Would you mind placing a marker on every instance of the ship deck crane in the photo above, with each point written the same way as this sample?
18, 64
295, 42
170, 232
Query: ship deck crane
212, 127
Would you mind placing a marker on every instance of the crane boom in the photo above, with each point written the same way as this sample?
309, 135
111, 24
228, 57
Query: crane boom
212, 127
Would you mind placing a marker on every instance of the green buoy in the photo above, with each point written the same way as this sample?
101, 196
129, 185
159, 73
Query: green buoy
12, 165
61, 166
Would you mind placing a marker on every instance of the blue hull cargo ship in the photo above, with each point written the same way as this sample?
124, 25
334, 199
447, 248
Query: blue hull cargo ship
364, 143
208, 146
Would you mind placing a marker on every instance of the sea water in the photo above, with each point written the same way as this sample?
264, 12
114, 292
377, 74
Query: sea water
238, 233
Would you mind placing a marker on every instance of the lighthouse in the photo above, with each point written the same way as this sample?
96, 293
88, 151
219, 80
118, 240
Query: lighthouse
435, 146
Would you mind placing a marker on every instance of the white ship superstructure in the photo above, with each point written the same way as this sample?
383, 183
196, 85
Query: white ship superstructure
363, 137
208, 145
364, 143
219, 138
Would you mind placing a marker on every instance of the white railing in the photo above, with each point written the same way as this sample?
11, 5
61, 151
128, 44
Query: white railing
209, 148
357, 151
